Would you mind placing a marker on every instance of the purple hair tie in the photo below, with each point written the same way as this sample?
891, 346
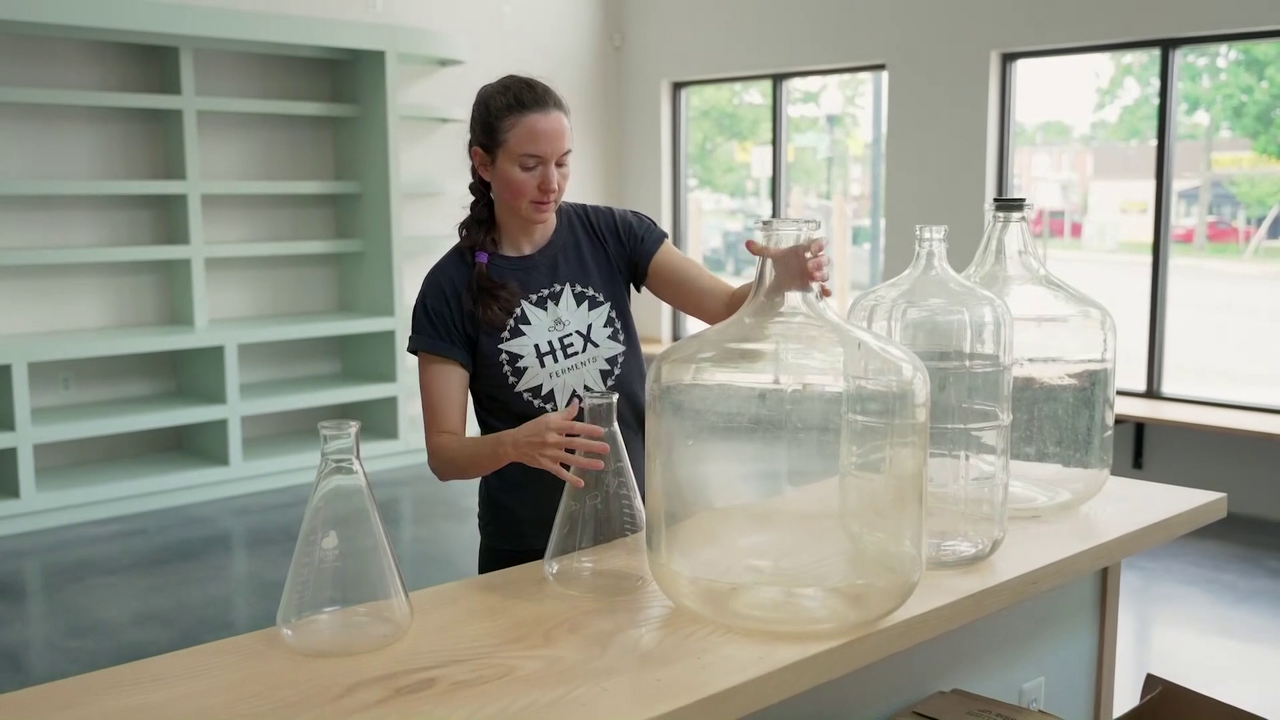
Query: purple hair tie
482, 257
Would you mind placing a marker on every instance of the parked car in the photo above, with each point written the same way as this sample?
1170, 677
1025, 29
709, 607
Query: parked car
1216, 229
1057, 224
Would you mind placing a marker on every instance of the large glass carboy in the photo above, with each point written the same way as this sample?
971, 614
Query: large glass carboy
963, 335
1064, 369
597, 539
344, 594
785, 469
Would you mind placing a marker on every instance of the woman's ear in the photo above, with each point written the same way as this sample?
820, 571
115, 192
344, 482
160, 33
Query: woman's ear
483, 164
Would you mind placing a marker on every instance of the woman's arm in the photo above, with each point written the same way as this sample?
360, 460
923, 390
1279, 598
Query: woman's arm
452, 455
684, 284
541, 442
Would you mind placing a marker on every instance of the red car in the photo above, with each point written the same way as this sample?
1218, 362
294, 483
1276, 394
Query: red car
1057, 223
1217, 230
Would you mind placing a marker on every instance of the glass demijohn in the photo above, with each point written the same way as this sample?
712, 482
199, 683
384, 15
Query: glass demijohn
1064, 368
597, 539
344, 594
786, 462
962, 334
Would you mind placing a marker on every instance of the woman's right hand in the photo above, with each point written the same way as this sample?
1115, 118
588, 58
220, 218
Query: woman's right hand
544, 443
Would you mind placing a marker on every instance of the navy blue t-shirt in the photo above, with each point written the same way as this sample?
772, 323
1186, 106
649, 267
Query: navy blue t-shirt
572, 333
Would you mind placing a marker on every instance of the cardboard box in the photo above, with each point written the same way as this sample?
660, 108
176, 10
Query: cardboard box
1165, 700
961, 705
1161, 700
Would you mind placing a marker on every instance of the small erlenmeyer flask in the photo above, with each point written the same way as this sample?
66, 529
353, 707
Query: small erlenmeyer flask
344, 594
597, 540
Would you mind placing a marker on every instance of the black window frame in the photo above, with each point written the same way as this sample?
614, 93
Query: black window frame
777, 137
1168, 48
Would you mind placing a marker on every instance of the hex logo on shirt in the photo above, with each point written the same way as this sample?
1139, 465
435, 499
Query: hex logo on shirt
562, 341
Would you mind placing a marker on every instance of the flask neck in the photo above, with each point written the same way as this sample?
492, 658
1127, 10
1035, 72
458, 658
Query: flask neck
782, 293
600, 408
340, 439
1007, 244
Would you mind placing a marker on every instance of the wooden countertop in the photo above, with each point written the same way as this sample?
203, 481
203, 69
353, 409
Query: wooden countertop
509, 645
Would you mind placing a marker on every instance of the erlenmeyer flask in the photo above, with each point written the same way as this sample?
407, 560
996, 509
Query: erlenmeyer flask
597, 541
344, 594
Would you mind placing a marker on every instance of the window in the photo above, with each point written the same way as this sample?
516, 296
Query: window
830, 129
1155, 175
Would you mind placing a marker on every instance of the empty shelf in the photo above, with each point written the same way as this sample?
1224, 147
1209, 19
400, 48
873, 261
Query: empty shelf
68, 422
298, 393
93, 255
280, 187
131, 340
279, 248
1159, 411
304, 447
276, 107
433, 113
298, 327
40, 188
159, 466
90, 98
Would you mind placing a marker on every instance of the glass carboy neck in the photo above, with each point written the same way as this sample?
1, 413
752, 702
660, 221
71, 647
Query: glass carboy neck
779, 234
1007, 241
931, 251
339, 440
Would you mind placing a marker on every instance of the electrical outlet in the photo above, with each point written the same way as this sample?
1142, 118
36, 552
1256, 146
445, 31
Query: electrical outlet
1031, 696
67, 382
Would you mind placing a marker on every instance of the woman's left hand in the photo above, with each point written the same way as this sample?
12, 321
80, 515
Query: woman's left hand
797, 267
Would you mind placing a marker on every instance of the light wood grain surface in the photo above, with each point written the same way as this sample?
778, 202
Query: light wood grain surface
1239, 421
508, 645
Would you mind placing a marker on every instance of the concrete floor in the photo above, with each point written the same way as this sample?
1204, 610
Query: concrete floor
1202, 611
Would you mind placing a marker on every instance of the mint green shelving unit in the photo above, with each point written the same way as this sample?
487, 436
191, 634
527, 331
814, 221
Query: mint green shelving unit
198, 250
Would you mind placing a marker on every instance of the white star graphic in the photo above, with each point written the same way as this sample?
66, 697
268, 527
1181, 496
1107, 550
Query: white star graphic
564, 348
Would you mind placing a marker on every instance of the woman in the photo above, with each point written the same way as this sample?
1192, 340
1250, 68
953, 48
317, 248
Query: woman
532, 308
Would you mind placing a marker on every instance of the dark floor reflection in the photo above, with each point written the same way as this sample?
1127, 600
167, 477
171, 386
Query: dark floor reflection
81, 598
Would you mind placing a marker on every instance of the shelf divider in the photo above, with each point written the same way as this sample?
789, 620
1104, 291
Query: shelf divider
231, 388
22, 428
194, 304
